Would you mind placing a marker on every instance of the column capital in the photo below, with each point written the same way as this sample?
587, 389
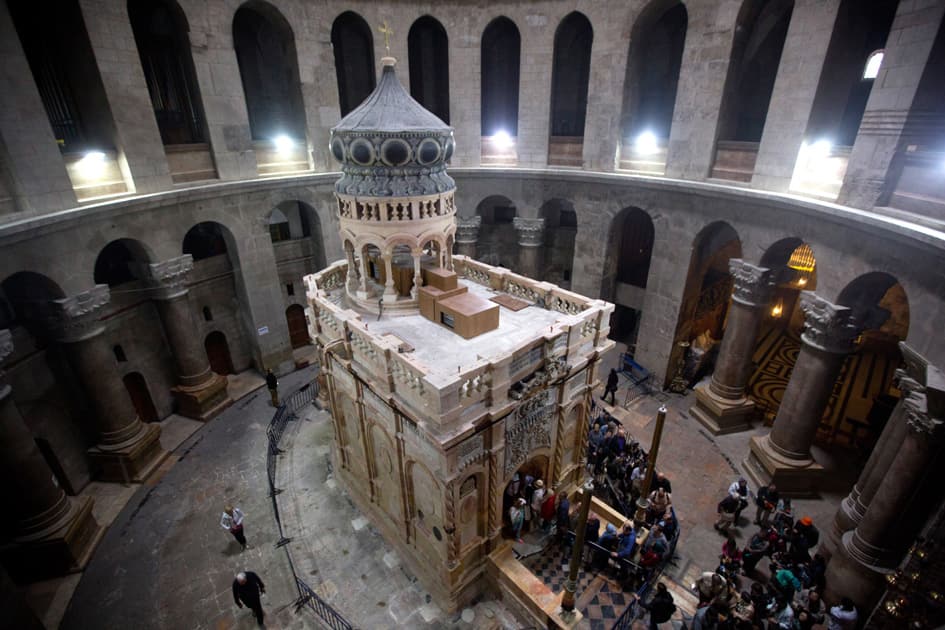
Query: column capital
827, 326
169, 276
531, 232
917, 416
753, 284
467, 229
75, 318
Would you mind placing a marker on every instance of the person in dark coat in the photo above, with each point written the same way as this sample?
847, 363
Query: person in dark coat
272, 384
563, 517
612, 381
661, 607
247, 587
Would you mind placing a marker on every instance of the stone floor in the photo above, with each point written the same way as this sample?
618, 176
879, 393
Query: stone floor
166, 563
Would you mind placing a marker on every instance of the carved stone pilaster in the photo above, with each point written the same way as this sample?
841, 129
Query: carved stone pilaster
828, 327
76, 317
753, 284
6, 346
169, 277
529, 429
531, 232
467, 229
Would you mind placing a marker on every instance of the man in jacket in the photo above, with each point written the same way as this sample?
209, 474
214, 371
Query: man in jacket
247, 587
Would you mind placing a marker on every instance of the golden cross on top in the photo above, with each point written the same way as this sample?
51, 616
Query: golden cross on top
387, 31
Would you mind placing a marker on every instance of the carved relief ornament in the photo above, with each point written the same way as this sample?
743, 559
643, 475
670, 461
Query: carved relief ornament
752, 284
828, 327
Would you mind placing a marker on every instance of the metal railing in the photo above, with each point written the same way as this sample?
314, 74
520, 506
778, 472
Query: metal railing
629, 615
280, 419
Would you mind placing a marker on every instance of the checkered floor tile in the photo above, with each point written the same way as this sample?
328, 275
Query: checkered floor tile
605, 599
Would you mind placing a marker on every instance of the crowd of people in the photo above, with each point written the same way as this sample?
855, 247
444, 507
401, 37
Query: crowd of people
737, 595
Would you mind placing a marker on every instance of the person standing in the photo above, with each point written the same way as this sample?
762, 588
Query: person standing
517, 517
232, 521
661, 607
766, 500
843, 616
538, 497
740, 487
612, 381
247, 587
272, 383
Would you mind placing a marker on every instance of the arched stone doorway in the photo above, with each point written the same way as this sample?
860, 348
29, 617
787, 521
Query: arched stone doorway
522, 483
298, 326
626, 269
140, 396
218, 353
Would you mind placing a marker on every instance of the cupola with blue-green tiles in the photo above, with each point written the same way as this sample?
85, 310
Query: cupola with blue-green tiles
391, 146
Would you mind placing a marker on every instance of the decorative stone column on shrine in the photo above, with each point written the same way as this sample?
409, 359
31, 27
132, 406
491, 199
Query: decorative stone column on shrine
127, 450
201, 393
875, 548
783, 456
854, 506
721, 406
52, 534
467, 235
531, 241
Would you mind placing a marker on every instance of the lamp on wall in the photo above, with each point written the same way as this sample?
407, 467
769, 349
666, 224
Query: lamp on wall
777, 309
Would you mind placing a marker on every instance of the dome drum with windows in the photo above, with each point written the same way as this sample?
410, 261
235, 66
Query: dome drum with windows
395, 198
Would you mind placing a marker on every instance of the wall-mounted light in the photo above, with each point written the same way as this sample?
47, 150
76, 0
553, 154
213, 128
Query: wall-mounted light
283, 143
802, 281
777, 309
92, 165
646, 143
502, 140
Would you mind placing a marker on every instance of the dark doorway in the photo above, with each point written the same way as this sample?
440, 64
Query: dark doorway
140, 396
298, 326
353, 46
570, 75
501, 44
218, 353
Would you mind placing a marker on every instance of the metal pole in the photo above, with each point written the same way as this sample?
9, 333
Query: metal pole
577, 552
643, 503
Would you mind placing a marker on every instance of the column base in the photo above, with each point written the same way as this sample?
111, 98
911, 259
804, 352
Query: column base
794, 477
202, 402
66, 549
845, 520
848, 577
131, 462
721, 416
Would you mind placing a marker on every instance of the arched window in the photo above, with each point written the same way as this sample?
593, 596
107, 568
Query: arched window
265, 51
119, 354
875, 60
160, 31
207, 315
428, 52
501, 46
353, 46
570, 75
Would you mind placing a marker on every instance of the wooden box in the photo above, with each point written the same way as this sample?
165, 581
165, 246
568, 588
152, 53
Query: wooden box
467, 315
442, 279
429, 296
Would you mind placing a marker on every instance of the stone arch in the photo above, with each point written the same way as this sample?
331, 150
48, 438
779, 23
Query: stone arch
497, 244
428, 57
654, 58
500, 51
386, 473
25, 301
795, 269
570, 77
471, 512
298, 326
626, 269
353, 46
706, 295
879, 303
122, 260
218, 352
268, 64
161, 33
561, 227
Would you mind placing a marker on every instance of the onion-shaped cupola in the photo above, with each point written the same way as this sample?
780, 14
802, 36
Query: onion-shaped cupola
395, 198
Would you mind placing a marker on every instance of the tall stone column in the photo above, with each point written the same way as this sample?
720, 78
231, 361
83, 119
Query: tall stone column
201, 393
390, 293
127, 449
467, 235
873, 549
52, 533
783, 456
721, 406
854, 506
531, 241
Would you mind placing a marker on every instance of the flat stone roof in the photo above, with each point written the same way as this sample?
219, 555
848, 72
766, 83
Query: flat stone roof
441, 350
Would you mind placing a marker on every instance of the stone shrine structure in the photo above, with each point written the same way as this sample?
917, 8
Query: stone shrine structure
430, 427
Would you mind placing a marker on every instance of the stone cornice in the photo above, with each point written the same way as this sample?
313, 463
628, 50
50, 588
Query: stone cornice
531, 232
827, 326
75, 318
753, 284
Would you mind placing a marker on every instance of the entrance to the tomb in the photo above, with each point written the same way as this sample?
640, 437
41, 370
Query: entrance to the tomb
140, 396
522, 483
298, 327
218, 353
